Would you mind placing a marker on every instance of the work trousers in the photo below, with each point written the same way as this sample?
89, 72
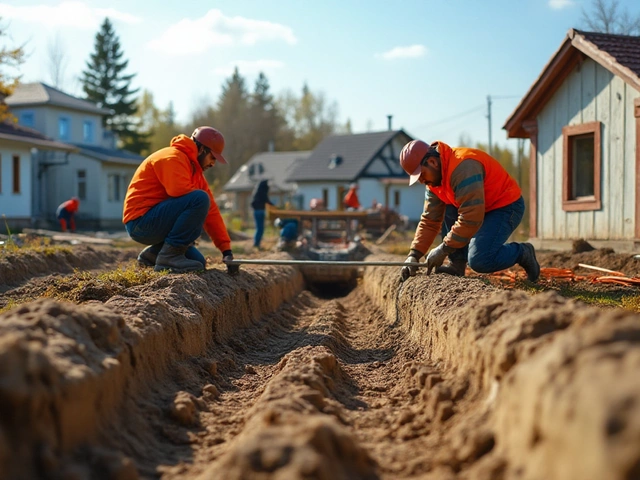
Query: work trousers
177, 221
487, 251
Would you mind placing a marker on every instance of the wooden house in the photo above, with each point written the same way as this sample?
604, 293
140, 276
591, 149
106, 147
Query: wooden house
582, 116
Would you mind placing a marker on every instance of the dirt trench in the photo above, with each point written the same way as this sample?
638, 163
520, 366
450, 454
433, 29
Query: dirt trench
208, 376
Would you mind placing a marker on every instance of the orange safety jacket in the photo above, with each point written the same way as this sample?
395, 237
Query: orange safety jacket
70, 206
170, 172
351, 199
475, 183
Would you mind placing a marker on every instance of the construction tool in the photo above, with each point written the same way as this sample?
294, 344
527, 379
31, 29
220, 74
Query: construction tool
334, 263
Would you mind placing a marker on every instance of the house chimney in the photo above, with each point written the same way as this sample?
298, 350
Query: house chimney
389, 117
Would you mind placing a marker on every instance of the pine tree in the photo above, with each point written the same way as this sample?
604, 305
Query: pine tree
233, 121
106, 85
266, 120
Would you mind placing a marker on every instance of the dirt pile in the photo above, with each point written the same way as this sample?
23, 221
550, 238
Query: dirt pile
211, 376
558, 377
48, 260
65, 369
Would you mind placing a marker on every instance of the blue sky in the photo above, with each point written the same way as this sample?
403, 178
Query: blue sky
429, 63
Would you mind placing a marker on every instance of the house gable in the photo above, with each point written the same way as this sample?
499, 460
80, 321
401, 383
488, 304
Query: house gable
619, 54
346, 158
583, 120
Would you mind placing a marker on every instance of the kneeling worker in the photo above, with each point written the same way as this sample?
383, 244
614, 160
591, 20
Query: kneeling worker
288, 233
168, 203
476, 205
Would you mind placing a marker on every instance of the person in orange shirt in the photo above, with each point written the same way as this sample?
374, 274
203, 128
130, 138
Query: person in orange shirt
169, 203
351, 198
66, 214
476, 205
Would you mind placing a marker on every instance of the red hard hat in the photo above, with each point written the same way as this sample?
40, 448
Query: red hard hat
411, 156
212, 139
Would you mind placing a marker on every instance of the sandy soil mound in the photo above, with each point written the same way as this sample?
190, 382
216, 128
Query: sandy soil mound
15, 268
203, 376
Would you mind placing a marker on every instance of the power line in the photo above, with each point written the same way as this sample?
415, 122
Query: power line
453, 117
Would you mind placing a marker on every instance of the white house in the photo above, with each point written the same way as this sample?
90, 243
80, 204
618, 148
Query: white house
369, 159
582, 116
18, 174
272, 166
95, 171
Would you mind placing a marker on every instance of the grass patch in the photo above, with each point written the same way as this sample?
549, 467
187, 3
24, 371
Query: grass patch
84, 286
615, 298
33, 245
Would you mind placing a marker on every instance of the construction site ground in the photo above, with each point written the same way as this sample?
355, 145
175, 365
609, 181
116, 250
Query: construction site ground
209, 376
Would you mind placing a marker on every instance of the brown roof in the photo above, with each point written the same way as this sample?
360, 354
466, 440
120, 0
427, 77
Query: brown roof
620, 54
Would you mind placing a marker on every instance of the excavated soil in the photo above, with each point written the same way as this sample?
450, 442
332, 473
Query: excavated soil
209, 376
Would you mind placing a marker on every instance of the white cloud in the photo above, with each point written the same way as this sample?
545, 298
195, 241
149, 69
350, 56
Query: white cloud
560, 4
412, 51
249, 67
216, 29
66, 14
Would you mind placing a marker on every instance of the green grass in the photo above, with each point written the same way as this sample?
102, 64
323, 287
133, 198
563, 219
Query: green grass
605, 299
39, 245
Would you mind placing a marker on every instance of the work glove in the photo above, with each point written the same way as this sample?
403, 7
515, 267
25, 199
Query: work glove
227, 256
410, 270
436, 256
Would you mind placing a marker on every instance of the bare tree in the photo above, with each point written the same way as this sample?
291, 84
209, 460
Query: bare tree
57, 61
607, 17
11, 58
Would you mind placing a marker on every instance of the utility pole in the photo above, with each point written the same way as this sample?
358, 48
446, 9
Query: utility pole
489, 118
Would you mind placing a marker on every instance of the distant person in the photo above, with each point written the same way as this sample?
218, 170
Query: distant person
66, 214
351, 200
259, 202
317, 204
288, 233
474, 203
169, 203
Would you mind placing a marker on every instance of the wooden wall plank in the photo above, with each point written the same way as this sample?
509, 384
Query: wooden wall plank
588, 101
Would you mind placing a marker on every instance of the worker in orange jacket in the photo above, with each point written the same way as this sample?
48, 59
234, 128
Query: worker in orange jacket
66, 214
474, 203
351, 198
169, 203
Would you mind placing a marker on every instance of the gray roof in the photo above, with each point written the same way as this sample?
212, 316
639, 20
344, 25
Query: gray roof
35, 94
272, 166
355, 152
31, 138
110, 154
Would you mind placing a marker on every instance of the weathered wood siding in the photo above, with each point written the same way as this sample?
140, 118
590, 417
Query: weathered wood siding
590, 93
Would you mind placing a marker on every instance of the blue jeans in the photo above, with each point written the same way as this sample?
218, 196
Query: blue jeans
487, 252
177, 221
258, 217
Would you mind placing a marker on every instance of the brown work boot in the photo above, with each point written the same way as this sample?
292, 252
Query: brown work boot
172, 258
529, 262
456, 267
148, 256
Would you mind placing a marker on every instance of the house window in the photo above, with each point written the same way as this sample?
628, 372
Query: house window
325, 197
27, 119
581, 167
396, 198
115, 187
16, 174
87, 131
63, 128
82, 184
